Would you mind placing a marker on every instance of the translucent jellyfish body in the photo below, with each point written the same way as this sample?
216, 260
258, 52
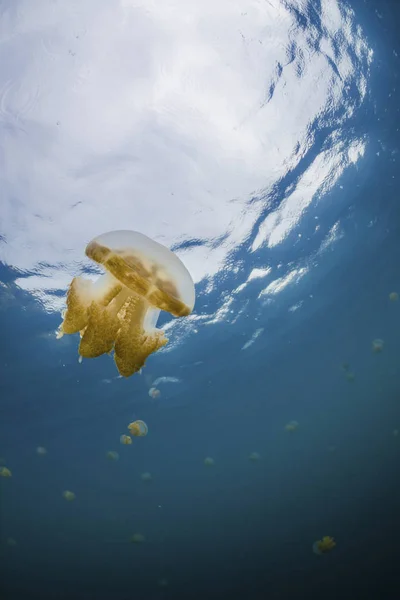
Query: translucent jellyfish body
138, 538
4, 472
68, 495
138, 428
11, 542
377, 345
208, 461
125, 439
112, 455
146, 477
41, 451
154, 392
291, 426
323, 546
393, 296
254, 457
120, 310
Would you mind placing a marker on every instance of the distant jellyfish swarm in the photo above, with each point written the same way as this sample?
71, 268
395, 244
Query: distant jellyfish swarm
119, 311
323, 546
138, 428
377, 345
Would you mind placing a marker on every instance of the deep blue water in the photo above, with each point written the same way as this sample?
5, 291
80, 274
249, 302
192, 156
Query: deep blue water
238, 528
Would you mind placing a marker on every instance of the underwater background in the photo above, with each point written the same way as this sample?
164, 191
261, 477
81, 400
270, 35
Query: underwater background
259, 140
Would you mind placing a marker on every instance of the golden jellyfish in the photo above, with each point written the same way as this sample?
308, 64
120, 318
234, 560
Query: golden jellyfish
138, 428
138, 538
41, 451
377, 345
291, 426
4, 472
154, 392
119, 311
125, 439
146, 477
254, 457
323, 546
393, 296
209, 462
70, 496
112, 455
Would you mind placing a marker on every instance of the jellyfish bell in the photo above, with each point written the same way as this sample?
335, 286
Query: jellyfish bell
125, 439
4, 472
11, 542
138, 428
377, 345
154, 392
41, 451
393, 296
209, 462
69, 496
112, 455
138, 538
323, 546
291, 426
254, 457
120, 309
146, 477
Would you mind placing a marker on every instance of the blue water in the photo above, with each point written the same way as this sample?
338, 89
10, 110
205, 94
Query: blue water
260, 142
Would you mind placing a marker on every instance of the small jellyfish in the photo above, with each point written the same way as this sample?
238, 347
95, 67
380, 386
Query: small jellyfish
119, 311
377, 345
395, 432
323, 546
41, 451
291, 426
209, 462
4, 472
138, 428
154, 392
112, 455
70, 496
393, 296
254, 457
11, 542
125, 439
146, 477
138, 538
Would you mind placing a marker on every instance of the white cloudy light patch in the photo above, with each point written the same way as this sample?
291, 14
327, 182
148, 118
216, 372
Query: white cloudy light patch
155, 117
